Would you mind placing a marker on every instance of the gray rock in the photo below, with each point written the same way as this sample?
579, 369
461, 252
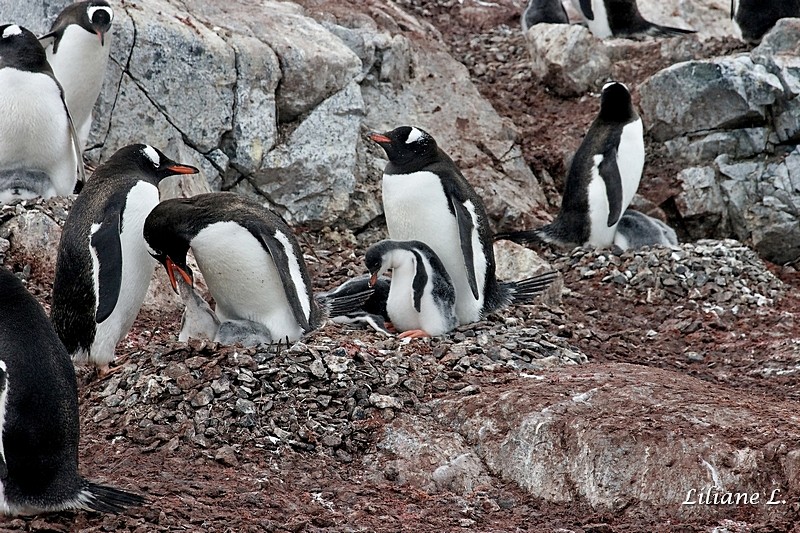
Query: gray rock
568, 59
743, 143
35, 16
514, 262
700, 203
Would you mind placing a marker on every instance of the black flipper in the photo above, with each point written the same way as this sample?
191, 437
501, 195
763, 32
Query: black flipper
520, 237
668, 30
609, 171
108, 249
276, 249
524, 290
3, 385
420, 280
105, 499
465, 229
586, 8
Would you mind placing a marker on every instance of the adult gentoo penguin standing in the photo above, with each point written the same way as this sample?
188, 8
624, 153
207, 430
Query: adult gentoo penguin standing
249, 259
39, 427
543, 12
602, 179
757, 17
422, 299
103, 267
619, 18
77, 47
426, 198
39, 150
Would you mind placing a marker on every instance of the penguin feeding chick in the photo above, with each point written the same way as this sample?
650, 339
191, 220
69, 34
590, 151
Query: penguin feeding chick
249, 259
602, 179
422, 299
39, 426
620, 18
39, 149
427, 199
77, 48
103, 267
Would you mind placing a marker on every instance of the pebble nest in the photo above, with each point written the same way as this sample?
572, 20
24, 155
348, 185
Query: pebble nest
720, 276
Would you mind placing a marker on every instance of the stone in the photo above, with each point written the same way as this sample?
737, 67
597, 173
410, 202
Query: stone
34, 235
514, 262
382, 401
742, 143
700, 203
568, 59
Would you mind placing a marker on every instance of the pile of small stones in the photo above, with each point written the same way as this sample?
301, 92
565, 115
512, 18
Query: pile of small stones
327, 392
719, 275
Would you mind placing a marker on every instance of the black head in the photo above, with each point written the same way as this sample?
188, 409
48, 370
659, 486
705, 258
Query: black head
406, 145
615, 103
150, 161
166, 243
21, 50
97, 18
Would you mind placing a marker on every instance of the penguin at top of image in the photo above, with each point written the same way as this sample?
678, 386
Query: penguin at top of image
39, 419
422, 300
756, 17
620, 18
543, 12
250, 260
427, 199
77, 48
103, 267
40, 153
602, 179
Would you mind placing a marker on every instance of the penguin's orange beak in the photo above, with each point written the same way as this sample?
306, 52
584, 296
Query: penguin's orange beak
380, 138
102, 36
171, 268
182, 169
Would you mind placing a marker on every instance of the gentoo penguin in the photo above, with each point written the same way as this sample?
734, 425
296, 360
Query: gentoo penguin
373, 311
37, 138
602, 179
39, 427
249, 259
103, 267
757, 17
543, 12
636, 230
422, 299
77, 49
619, 18
426, 198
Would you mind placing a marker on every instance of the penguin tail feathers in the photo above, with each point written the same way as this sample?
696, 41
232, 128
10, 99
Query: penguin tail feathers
524, 290
521, 237
668, 30
347, 298
105, 499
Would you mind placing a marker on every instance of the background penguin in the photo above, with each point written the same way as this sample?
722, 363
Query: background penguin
77, 49
636, 229
757, 17
36, 132
103, 267
39, 426
426, 198
249, 259
544, 12
422, 299
619, 18
602, 179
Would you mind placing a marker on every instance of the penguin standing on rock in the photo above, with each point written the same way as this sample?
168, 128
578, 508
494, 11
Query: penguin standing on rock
620, 18
39, 426
39, 149
602, 179
103, 267
77, 47
249, 259
543, 12
426, 198
422, 299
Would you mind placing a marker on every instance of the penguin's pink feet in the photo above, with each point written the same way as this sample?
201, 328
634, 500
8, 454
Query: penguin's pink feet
414, 334
106, 370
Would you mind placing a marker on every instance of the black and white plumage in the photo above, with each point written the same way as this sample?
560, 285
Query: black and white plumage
103, 267
757, 17
422, 299
77, 48
39, 149
636, 230
426, 198
39, 427
373, 311
620, 18
249, 259
543, 12
602, 179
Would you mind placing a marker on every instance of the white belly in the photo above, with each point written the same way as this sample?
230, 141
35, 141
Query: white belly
34, 132
243, 279
416, 208
80, 67
601, 234
599, 25
137, 270
630, 160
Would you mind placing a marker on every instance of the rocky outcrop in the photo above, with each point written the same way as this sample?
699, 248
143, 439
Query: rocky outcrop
737, 121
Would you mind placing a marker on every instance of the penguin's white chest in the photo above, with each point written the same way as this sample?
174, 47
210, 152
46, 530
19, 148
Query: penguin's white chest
34, 131
599, 25
244, 280
417, 208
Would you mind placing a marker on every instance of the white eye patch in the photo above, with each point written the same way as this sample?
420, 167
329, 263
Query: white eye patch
12, 30
609, 84
94, 9
152, 155
414, 135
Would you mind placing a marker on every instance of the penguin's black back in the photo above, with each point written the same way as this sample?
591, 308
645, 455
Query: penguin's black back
41, 430
757, 17
23, 52
544, 12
